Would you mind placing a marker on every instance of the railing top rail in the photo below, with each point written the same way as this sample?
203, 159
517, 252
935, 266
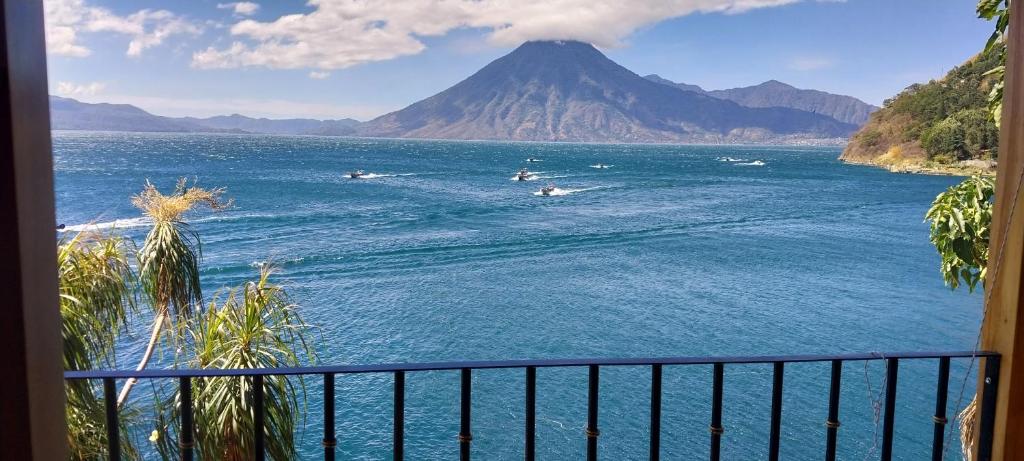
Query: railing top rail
499, 364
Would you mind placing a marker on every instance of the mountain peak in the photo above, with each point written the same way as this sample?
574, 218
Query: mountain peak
774, 93
566, 90
775, 84
555, 44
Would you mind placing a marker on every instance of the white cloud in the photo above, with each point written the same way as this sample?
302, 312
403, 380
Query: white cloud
65, 19
79, 89
343, 33
319, 75
240, 8
810, 63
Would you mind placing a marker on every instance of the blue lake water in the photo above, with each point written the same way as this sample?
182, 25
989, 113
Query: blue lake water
673, 250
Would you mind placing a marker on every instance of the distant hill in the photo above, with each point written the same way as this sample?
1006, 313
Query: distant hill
342, 127
774, 93
569, 91
70, 114
940, 122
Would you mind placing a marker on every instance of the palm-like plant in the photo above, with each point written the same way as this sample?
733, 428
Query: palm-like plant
256, 326
97, 293
169, 259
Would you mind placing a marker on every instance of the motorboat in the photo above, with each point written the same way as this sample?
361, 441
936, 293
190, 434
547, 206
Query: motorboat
523, 175
547, 190
356, 174
531, 159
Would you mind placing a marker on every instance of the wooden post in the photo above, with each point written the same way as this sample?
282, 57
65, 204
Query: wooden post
32, 424
1003, 329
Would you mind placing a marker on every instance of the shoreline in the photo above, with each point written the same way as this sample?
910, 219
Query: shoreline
925, 169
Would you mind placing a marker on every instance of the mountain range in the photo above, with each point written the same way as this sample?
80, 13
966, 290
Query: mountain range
570, 91
774, 93
70, 114
545, 91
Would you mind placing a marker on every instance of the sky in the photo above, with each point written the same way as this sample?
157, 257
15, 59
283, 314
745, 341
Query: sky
364, 58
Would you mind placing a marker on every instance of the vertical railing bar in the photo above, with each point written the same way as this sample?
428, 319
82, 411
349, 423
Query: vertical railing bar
716, 412
941, 395
592, 431
655, 452
776, 424
113, 426
889, 416
531, 412
465, 435
832, 423
398, 438
330, 441
987, 423
259, 419
186, 435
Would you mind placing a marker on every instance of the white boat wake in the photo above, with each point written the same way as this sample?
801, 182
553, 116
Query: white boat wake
558, 192
754, 163
382, 175
115, 224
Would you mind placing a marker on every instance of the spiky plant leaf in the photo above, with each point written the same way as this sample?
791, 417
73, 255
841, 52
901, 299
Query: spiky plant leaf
255, 326
97, 293
169, 260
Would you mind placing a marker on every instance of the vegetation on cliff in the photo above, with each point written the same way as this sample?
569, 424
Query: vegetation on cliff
940, 123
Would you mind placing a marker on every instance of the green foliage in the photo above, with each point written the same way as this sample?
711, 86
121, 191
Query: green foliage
870, 138
951, 117
169, 260
981, 136
966, 134
1000, 11
945, 140
256, 326
170, 255
97, 293
960, 221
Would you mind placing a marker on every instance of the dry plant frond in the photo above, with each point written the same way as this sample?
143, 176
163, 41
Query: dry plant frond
170, 208
169, 260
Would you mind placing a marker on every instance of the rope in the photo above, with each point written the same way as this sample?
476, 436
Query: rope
876, 403
984, 312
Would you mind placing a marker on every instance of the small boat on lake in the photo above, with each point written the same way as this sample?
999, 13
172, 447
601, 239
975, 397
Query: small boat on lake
356, 174
531, 159
600, 166
547, 190
523, 175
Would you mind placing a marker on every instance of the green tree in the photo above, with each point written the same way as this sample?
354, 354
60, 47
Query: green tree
256, 326
97, 294
169, 260
944, 141
981, 137
961, 218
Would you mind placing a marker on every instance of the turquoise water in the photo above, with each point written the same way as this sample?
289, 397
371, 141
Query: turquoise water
673, 250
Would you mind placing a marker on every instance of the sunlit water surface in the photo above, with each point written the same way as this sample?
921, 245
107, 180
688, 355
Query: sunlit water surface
673, 250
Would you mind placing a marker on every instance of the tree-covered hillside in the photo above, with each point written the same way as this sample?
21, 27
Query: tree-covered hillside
942, 121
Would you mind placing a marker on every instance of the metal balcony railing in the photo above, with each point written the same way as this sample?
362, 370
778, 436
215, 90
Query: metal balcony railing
328, 373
